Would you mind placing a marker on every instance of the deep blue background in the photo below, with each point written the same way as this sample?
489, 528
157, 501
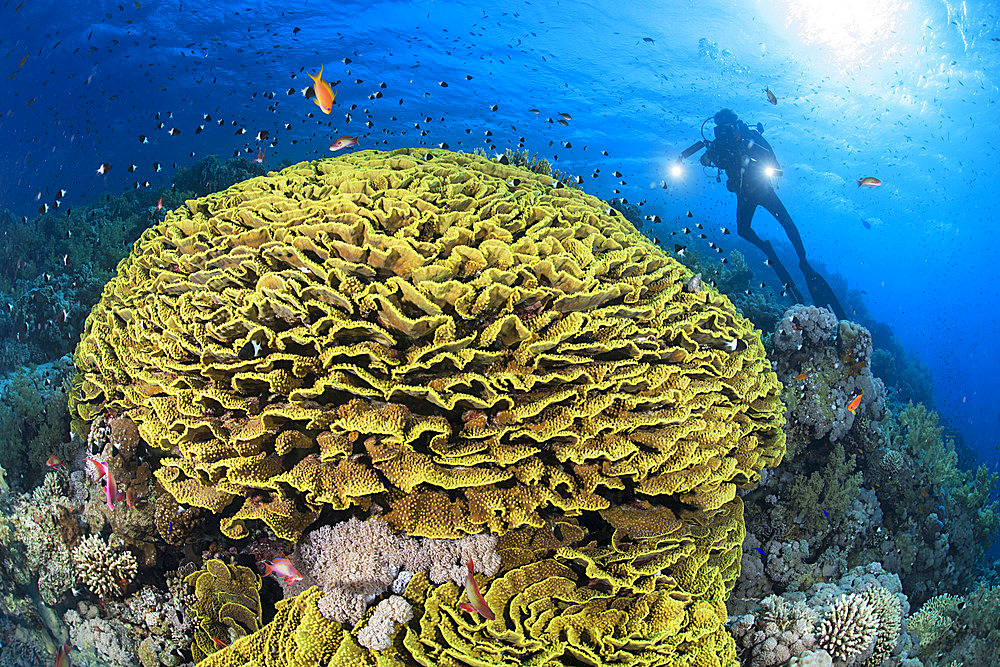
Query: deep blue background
905, 91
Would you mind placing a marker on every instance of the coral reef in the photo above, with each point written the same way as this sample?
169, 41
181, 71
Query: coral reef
857, 621
33, 420
835, 358
466, 346
959, 630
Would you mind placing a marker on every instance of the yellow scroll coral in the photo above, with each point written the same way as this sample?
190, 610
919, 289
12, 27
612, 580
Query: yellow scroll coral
654, 596
456, 340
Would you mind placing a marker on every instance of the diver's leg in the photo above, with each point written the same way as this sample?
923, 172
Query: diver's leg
818, 287
769, 200
745, 207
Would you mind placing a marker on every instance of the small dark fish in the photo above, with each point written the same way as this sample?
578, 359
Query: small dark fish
649, 40
679, 249
558, 532
867, 224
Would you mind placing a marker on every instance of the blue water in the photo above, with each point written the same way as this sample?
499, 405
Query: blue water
904, 91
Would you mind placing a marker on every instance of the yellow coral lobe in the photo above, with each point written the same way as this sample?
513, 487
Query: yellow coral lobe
409, 329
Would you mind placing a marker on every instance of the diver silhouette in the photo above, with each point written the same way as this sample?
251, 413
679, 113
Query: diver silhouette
751, 167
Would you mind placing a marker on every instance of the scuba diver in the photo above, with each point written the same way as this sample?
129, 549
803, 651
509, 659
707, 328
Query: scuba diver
751, 167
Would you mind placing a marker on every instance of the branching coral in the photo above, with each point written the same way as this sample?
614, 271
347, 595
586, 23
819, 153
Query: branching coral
102, 567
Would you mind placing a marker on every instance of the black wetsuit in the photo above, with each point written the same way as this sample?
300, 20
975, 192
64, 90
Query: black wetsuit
730, 152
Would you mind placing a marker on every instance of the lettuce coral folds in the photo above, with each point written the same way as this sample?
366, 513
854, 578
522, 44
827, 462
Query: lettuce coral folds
460, 346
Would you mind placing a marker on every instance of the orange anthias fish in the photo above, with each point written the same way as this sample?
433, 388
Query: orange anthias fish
853, 405
159, 205
62, 657
55, 462
284, 569
344, 142
324, 95
219, 642
802, 376
869, 182
261, 157
477, 603
770, 96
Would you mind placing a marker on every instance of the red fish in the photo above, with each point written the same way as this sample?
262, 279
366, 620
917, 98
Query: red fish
159, 205
477, 603
283, 568
55, 462
111, 491
853, 405
869, 182
324, 95
219, 642
62, 657
260, 159
802, 376
344, 142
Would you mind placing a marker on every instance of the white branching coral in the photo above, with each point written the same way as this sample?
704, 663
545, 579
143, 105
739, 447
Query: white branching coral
389, 613
862, 628
888, 611
102, 567
848, 629
356, 561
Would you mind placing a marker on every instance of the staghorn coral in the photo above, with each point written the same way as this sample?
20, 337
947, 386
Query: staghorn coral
458, 339
102, 566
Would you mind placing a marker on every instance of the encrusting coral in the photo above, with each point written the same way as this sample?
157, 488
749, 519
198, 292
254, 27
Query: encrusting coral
455, 337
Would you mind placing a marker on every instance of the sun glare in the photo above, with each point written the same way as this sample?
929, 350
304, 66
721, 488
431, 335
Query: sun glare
855, 31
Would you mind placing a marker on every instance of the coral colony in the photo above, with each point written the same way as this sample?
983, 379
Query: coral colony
432, 408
